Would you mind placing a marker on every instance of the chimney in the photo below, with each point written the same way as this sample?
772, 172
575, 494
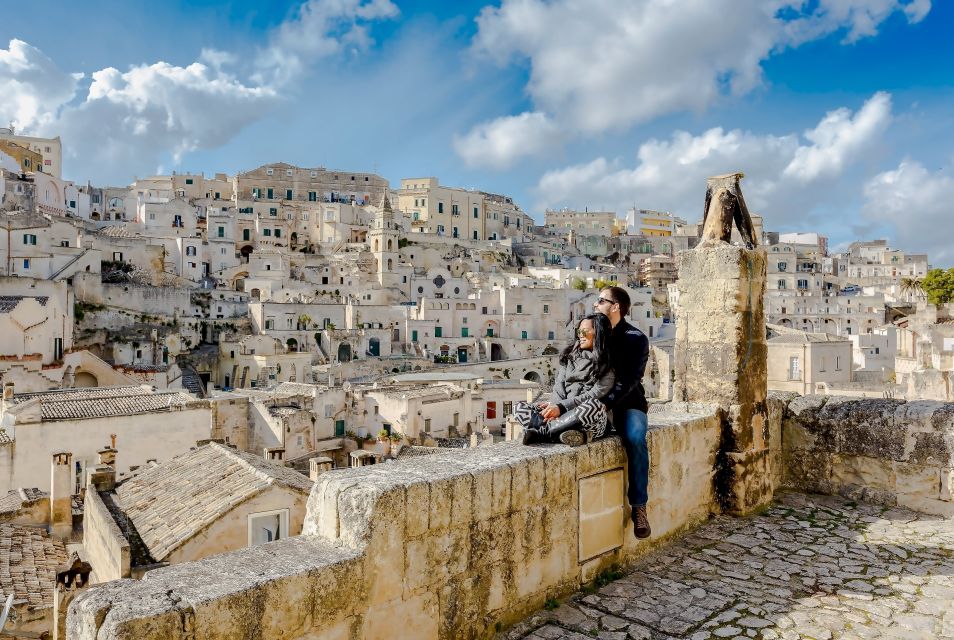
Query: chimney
275, 454
61, 494
107, 456
101, 477
318, 466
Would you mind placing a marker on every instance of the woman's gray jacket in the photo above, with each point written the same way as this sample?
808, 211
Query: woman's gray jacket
577, 381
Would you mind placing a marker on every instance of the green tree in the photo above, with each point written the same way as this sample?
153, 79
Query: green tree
602, 284
912, 286
938, 284
579, 284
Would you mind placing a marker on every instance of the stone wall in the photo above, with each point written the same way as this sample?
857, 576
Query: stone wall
107, 549
889, 452
444, 546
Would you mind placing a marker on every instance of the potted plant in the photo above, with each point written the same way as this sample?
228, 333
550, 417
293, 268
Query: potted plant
397, 442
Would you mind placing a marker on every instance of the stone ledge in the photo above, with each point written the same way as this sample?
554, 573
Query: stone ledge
443, 546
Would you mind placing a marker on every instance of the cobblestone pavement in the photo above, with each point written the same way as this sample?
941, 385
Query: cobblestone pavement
810, 567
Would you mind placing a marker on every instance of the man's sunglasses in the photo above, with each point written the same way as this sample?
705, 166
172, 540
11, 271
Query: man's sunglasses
602, 300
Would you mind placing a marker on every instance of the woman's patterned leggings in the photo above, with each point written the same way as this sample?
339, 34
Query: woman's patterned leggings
591, 414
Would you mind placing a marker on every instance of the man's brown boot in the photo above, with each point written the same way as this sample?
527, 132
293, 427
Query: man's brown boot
641, 527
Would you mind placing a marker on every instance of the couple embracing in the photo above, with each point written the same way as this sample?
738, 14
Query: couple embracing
600, 380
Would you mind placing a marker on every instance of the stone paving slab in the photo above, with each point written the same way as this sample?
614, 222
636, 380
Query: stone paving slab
811, 567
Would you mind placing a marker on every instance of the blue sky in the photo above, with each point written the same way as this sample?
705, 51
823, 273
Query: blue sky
839, 111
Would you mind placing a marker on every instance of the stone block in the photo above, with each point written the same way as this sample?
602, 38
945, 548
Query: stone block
947, 485
441, 502
418, 508
520, 487
483, 494
914, 481
863, 472
462, 500
502, 480
411, 619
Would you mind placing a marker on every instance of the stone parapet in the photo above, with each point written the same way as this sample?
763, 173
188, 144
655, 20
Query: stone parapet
444, 546
886, 451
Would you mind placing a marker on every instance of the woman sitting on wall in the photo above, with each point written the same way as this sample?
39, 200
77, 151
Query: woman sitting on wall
574, 412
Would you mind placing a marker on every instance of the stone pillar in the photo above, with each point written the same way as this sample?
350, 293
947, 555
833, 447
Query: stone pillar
720, 358
318, 466
61, 495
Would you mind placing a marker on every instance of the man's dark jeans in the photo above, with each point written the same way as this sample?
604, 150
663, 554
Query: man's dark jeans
631, 425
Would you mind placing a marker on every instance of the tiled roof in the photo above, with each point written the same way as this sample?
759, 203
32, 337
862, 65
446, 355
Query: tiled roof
15, 498
28, 562
175, 500
103, 402
118, 231
9, 303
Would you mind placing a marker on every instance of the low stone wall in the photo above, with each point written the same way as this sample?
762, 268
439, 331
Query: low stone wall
444, 546
885, 451
107, 549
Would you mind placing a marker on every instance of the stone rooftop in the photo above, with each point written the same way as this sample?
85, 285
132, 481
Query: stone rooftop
28, 562
14, 499
809, 567
102, 402
172, 501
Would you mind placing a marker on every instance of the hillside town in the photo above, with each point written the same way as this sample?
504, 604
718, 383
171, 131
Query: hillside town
183, 357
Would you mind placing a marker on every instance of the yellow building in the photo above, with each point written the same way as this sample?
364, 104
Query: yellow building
26, 159
646, 222
50, 148
446, 211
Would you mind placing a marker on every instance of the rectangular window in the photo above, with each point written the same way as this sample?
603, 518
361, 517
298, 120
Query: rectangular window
278, 233
519, 308
288, 194
476, 214
464, 332
507, 408
221, 232
427, 425
273, 212
546, 308
475, 235
490, 332
523, 335
455, 211
838, 359
26, 263
29, 238
414, 335
246, 234
267, 232
270, 194
267, 527
438, 332
794, 373
456, 419
256, 193
440, 207
440, 228
72, 204
218, 195
781, 284
552, 336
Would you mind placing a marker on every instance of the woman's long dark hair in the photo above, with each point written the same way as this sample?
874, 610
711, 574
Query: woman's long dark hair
601, 334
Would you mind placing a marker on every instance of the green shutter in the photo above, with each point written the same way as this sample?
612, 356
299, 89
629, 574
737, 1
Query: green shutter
339, 428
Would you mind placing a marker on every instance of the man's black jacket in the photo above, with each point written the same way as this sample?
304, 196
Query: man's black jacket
629, 351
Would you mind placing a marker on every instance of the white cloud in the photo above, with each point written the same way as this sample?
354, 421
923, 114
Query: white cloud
132, 121
918, 205
599, 65
670, 174
498, 142
321, 28
840, 137
32, 86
